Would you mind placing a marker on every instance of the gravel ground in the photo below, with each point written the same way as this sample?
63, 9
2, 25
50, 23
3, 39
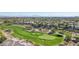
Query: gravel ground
12, 41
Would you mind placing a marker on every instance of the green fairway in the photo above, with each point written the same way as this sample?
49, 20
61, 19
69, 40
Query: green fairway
36, 38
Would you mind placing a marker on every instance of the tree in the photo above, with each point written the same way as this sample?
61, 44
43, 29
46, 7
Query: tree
7, 22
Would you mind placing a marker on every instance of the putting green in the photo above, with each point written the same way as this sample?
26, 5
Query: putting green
47, 37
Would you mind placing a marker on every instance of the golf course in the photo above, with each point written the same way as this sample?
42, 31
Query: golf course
37, 38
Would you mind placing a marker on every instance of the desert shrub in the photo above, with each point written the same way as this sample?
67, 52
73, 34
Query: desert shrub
2, 38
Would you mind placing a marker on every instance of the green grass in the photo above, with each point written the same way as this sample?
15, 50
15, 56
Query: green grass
36, 38
47, 37
77, 36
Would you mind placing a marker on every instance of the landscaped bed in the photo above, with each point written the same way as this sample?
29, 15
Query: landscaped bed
36, 38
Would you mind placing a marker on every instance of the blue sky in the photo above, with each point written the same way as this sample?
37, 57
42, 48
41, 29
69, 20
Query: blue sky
54, 14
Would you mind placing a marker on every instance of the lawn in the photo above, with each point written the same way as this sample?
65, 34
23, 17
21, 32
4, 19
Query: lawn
36, 38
